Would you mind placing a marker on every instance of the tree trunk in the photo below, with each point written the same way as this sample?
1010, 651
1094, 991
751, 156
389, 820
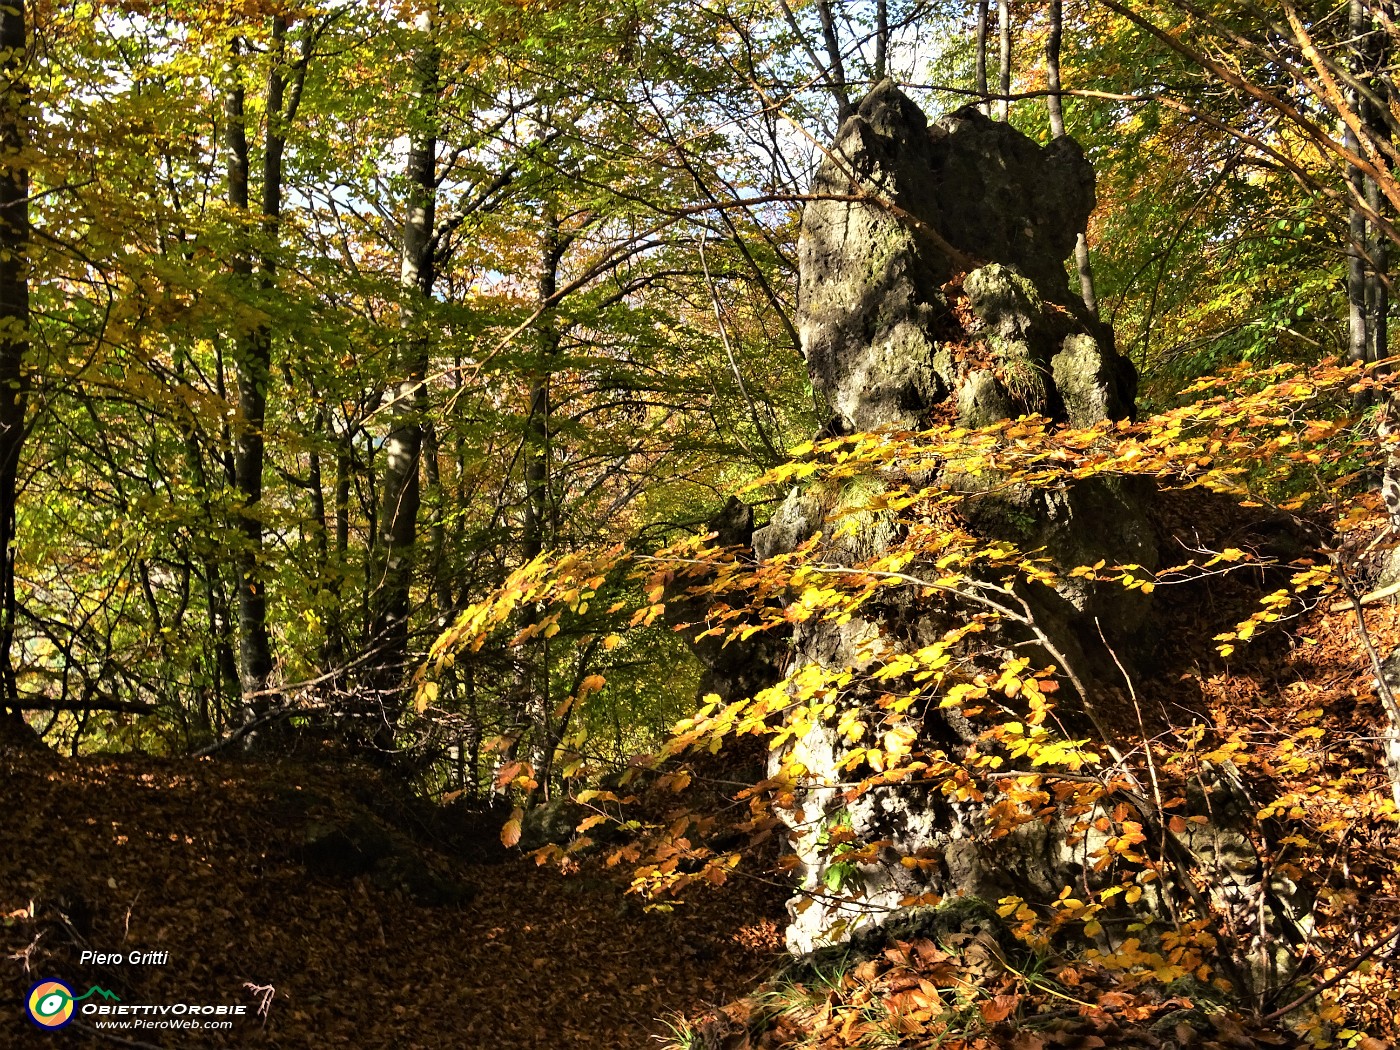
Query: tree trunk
882, 39
253, 349
437, 529
1055, 102
1378, 246
1377, 292
333, 652
537, 427
537, 531
14, 319
1004, 30
400, 492
252, 361
981, 57
1357, 342
835, 65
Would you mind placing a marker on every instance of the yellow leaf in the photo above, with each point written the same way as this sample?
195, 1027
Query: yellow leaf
427, 695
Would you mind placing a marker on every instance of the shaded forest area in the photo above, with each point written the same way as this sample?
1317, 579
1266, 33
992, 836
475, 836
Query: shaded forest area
817, 524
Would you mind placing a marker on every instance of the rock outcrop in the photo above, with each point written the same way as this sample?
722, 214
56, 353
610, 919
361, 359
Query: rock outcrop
908, 208
934, 289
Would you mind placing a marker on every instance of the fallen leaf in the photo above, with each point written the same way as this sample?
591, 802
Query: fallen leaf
996, 1010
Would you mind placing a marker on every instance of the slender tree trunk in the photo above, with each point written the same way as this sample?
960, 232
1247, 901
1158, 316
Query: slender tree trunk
981, 57
537, 532
253, 349
437, 530
333, 651
252, 360
1377, 294
882, 39
537, 434
400, 491
835, 65
223, 664
1004, 31
316, 487
836, 85
327, 585
1357, 342
14, 319
1378, 246
1055, 102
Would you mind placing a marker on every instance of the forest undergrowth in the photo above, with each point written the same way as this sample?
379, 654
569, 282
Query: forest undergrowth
207, 860
1297, 710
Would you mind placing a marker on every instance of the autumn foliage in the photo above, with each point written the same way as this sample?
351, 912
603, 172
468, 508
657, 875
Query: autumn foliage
1114, 765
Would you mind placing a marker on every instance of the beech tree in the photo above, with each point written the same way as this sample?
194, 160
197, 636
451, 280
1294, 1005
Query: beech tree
15, 116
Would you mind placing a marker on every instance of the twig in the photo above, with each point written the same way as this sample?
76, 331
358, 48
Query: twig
1366, 599
1343, 972
1146, 749
1383, 688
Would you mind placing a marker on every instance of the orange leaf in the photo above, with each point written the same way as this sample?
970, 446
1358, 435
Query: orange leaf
998, 1009
510, 833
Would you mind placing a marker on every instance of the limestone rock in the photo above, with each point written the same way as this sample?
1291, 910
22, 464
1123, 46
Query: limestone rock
1006, 199
1079, 523
1092, 384
550, 823
902, 208
933, 287
982, 401
1009, 305
795, 521
869, 299
739, 668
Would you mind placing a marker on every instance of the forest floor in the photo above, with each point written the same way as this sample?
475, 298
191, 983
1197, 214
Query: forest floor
206, 861
211, 862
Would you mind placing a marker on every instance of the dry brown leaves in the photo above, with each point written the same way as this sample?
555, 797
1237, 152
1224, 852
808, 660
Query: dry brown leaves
959, 995
203, 860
